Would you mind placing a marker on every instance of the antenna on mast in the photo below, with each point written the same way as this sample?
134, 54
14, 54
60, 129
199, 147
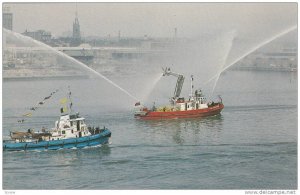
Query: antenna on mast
71, 103
192, 85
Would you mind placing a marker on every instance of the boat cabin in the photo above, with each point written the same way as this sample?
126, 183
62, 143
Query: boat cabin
195, 102
70, 126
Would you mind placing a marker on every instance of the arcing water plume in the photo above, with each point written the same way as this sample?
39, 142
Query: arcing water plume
150, 89
203, 57
262, 44
82, 65
252, 50
226, 48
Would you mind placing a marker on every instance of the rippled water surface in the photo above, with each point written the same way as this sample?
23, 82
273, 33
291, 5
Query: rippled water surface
251, 145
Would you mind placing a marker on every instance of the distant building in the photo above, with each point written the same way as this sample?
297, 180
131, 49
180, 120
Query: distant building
76, 38
83, 54
7, 18
284, 59
40, 35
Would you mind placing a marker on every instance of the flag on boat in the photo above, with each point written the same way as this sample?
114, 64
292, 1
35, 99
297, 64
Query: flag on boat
47, 97
63, 109
63, 100
28, 114
39, 104
33, 108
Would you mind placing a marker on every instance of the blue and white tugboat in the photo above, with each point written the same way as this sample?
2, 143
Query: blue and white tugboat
70, 131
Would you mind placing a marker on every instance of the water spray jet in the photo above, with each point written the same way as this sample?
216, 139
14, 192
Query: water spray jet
22, 37
252, 50
232, 35
194, 106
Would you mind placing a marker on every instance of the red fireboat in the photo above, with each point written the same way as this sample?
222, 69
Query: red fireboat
195, 106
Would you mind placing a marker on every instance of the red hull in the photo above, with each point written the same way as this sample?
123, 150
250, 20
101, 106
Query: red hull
210, 111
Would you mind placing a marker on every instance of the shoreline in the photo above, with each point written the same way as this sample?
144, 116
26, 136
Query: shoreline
26, 78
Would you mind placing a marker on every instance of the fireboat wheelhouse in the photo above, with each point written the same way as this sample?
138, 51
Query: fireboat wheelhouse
195, 106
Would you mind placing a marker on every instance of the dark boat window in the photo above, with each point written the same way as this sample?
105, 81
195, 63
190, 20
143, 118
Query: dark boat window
63, 132
73, 116
78, 125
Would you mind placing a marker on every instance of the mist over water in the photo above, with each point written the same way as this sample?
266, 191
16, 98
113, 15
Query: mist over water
20, 40
221, 63
150, 88
252, 144
263, 43
224, 35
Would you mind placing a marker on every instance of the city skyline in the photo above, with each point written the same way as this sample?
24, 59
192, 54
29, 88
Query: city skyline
151, 19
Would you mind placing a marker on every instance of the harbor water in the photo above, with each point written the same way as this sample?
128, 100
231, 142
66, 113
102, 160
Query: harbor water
251, 145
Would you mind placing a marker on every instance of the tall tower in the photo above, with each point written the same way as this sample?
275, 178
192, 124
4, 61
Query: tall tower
7, 18
76, 39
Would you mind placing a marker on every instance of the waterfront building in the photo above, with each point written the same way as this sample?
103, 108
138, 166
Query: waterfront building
7, 18
40, 35
284, 59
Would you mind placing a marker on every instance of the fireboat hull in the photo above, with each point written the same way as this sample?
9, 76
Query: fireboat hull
210, 111
93, 140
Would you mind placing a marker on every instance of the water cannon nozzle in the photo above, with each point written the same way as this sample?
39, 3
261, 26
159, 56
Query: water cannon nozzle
166, 71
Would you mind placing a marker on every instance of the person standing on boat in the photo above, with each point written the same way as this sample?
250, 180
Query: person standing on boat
153, 107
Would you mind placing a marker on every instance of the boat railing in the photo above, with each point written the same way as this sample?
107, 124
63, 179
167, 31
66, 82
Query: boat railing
95, 130
9, 141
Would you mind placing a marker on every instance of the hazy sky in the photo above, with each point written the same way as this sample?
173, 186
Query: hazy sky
153, 19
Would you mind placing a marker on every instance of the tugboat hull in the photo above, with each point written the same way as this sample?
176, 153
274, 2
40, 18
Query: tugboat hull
210, 111
92, 140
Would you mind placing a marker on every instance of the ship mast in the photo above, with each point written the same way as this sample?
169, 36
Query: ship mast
192, 87
71, 103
